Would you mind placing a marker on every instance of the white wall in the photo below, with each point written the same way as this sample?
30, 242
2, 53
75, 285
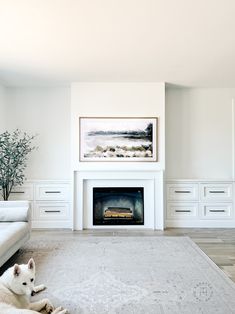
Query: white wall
199, 133
117, 99
199, 129
2, 108
45, 111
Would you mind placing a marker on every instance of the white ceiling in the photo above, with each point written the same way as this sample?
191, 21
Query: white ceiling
184, 42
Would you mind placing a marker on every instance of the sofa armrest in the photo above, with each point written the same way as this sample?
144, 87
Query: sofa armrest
11, 211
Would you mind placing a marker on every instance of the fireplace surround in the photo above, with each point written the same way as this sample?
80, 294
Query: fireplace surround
150, 181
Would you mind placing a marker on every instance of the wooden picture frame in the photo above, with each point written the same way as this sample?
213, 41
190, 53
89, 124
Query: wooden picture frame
118, 139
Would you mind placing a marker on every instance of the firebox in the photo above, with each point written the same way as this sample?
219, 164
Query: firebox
118, 206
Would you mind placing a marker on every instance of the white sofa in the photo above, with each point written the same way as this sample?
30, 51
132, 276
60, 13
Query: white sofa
15, 227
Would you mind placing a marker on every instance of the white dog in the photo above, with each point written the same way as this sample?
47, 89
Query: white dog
16, 287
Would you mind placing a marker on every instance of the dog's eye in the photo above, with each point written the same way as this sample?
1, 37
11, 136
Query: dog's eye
24, 283
32, 280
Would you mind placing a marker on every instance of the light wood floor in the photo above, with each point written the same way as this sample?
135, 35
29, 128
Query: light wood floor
218, 244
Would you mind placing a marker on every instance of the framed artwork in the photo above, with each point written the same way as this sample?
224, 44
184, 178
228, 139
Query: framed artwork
118, 139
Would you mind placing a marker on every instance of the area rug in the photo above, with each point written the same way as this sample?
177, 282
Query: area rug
129, 275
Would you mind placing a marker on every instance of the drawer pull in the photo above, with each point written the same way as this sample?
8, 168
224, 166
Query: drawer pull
217, 211
182, 191
17, 192
52, 211
183, 211
52, 192
217, 192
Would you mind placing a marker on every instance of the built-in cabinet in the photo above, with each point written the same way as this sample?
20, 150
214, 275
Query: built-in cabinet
50, 202
188, 203
199, 203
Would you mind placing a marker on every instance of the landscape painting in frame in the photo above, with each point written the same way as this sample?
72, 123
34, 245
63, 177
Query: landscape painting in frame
118, 139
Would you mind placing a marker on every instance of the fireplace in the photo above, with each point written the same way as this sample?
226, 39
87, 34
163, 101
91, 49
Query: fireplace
149, 183
118, 206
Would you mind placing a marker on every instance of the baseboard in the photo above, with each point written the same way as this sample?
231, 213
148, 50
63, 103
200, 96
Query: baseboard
200, 223
51, 224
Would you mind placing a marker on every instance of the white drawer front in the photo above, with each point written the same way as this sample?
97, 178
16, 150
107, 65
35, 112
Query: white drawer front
21, 193
216, 211
182, 210
217, 192
182, 192
51, 211
52, 192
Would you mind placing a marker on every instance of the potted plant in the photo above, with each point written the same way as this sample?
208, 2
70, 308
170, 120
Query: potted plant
14, 150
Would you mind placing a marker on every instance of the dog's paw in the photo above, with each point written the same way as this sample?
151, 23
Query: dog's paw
57, 310
48, 306
60, 310
39, 288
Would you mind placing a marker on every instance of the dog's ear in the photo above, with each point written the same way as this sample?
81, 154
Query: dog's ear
16, 270
31, 264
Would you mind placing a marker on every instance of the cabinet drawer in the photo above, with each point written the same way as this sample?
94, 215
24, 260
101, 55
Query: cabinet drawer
216, 211
218, 192
22, 193
182, 192
52, 192
182, 210
51, 211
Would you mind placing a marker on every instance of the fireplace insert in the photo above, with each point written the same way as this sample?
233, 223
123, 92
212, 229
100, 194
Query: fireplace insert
118, 206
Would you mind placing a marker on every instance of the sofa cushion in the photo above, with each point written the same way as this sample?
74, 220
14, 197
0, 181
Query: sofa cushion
11, 233
14, 213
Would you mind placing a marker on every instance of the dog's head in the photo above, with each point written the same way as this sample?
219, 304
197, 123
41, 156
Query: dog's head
23, 277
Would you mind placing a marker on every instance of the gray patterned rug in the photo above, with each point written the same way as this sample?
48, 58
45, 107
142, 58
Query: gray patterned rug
129, 275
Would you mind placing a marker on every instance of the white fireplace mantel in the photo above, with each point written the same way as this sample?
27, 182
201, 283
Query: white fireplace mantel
152, 181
